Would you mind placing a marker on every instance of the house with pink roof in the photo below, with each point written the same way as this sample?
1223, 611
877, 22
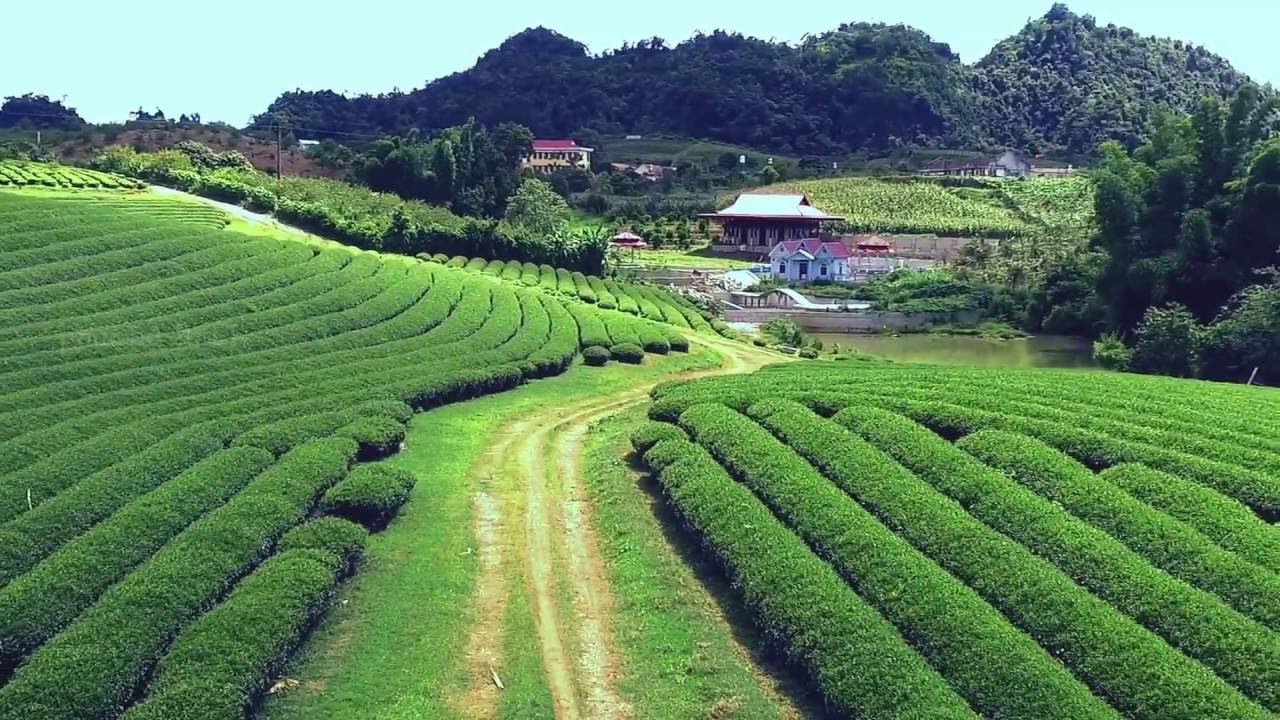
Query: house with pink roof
810, 260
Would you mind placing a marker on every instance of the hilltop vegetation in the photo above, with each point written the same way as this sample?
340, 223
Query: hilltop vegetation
920, 539
1062, 84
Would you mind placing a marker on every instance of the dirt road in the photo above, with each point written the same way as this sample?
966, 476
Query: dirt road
531, 508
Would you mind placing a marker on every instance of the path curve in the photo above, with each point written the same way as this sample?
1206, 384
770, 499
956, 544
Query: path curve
561, 555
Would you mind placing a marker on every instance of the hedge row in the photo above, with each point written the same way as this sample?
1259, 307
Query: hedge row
856, 659
95, 666
341, 538
1164, 541
281, 436
1240, 650
946, 621
175, 313
39, 603
1225, 521
1136, 671
228, 280
370, 495
221, 664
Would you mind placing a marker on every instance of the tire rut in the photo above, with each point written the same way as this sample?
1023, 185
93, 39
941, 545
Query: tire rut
559, 552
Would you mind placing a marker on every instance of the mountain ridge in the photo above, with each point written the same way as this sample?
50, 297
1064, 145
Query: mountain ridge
1060, 84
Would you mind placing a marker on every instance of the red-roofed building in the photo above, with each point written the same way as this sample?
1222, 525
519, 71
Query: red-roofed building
549, 156
810, 260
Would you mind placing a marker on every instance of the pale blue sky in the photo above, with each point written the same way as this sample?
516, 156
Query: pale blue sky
228, 59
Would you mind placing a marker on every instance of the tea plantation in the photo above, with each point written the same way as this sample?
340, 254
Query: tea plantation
184, 416
942, 542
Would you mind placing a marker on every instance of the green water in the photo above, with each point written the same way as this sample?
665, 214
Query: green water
1042, 351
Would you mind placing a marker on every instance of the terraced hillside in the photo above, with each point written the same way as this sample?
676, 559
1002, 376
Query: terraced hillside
19, 173
177, 400
928, 541
991, 208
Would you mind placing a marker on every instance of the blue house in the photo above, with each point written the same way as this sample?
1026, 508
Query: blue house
810, 260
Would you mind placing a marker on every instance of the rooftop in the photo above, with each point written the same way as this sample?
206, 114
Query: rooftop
540, 145
764, 205
811, 247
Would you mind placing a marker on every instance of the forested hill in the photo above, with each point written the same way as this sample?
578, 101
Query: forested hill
1066, 83
1061, 84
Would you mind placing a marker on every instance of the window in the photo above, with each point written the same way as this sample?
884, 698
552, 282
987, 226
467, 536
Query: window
782, 267
822, 270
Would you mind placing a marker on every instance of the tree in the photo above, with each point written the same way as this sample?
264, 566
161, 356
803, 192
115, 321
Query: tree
38, 111
537, 209
1245, 336
1166, 342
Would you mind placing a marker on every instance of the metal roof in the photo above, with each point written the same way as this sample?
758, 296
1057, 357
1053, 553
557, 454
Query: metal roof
765, 205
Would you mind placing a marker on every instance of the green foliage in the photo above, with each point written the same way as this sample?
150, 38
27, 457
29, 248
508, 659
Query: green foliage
783, 331
146, 475
537, 209
921, 291
1110, 352
1166, 342
1139, 587
469, 168
1061, 84
254, 631
370, 495
1111, 73
38, 111
596, 355
340, 538
913, 206
354, 214
1245, 336
627, 353
814, 616
20, 173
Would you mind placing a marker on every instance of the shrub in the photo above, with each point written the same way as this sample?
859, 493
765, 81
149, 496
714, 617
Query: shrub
858, 661
595, 355
722, 328
759, 342
254, 631
945, 620
652, 432
337, 536
1110, 352
808, 353
1166, 342
677, 342
370, 495
101, 660
627, 353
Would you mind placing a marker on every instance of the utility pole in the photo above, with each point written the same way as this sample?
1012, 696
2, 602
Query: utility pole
37, 141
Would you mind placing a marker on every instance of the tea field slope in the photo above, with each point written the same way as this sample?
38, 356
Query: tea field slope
1102, 542
179, 401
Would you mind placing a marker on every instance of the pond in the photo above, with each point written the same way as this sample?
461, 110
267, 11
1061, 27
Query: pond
1053, 351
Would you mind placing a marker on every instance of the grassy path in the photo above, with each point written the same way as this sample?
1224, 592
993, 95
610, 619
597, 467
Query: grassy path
490, 596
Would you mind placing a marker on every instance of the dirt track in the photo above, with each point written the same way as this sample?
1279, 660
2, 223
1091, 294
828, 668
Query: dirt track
531, 508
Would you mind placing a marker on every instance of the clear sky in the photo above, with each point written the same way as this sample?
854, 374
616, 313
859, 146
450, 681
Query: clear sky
230, 59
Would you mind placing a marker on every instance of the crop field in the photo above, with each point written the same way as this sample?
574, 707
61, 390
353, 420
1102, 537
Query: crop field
646, 301
995, 209
19, 173
186, 414
943, 542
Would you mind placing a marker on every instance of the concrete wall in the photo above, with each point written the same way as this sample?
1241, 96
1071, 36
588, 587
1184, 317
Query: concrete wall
851, 322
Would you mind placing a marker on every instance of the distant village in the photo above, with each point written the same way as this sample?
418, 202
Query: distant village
785, 232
